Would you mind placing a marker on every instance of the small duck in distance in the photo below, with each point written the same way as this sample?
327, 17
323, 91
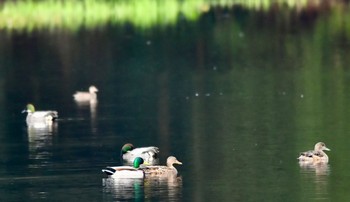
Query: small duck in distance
39, 116
315, 156
133, 171
163, 171
148, 154
91, 96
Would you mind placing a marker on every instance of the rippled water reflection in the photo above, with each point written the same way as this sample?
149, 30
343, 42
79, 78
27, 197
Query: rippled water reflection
169, 189
40, 137
315, 180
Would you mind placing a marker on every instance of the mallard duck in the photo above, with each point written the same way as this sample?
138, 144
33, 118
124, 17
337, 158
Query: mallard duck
39, 116
91, 96
163, 171
149, 154
126, 171
316, 155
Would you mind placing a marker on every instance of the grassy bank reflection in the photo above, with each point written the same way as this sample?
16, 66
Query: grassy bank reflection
73, 15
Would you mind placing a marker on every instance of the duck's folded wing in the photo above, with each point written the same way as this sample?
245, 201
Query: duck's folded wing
155, 170
143, 150
112, 170
82, 96
44, 115
307, 153
319, 154
120, 168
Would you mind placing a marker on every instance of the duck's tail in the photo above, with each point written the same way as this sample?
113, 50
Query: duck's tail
108, 171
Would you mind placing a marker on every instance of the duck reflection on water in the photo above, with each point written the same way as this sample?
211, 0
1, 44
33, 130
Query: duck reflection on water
170, 186
315, 178
88, 101
319, 168
40, 137
92, 106
122, 189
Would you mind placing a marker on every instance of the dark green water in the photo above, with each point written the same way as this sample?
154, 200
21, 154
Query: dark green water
235, 96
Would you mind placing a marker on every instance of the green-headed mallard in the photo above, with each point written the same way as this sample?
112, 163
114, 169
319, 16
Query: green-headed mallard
163, 171
126, 171
91, 96
148, 154
39, 116
315, 156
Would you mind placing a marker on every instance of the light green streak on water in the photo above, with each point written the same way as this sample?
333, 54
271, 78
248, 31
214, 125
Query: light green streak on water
29, 15
143, 14
72, 15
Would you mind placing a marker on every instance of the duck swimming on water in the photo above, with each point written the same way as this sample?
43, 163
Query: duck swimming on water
91, 96
39, 116
148, 154
133, 171
315, 156
163, 171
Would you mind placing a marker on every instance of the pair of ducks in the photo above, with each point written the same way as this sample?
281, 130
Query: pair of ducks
50, 115
143, 160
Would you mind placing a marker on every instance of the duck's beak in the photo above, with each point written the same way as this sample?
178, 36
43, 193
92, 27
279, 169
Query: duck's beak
327, 149
24, 111
178, 162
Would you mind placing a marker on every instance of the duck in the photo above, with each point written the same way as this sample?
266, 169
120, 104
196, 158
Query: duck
39, 116
82, 96
163, 171
148, 154
133, 171
315, 156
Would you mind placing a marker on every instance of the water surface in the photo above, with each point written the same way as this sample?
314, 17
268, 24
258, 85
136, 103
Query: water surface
235, 96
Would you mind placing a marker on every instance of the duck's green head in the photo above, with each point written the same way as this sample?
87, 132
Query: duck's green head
29, 108
126, 148
137, 162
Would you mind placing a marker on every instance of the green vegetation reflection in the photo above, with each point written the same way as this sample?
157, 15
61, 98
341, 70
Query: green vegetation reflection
92, 13
72, 15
